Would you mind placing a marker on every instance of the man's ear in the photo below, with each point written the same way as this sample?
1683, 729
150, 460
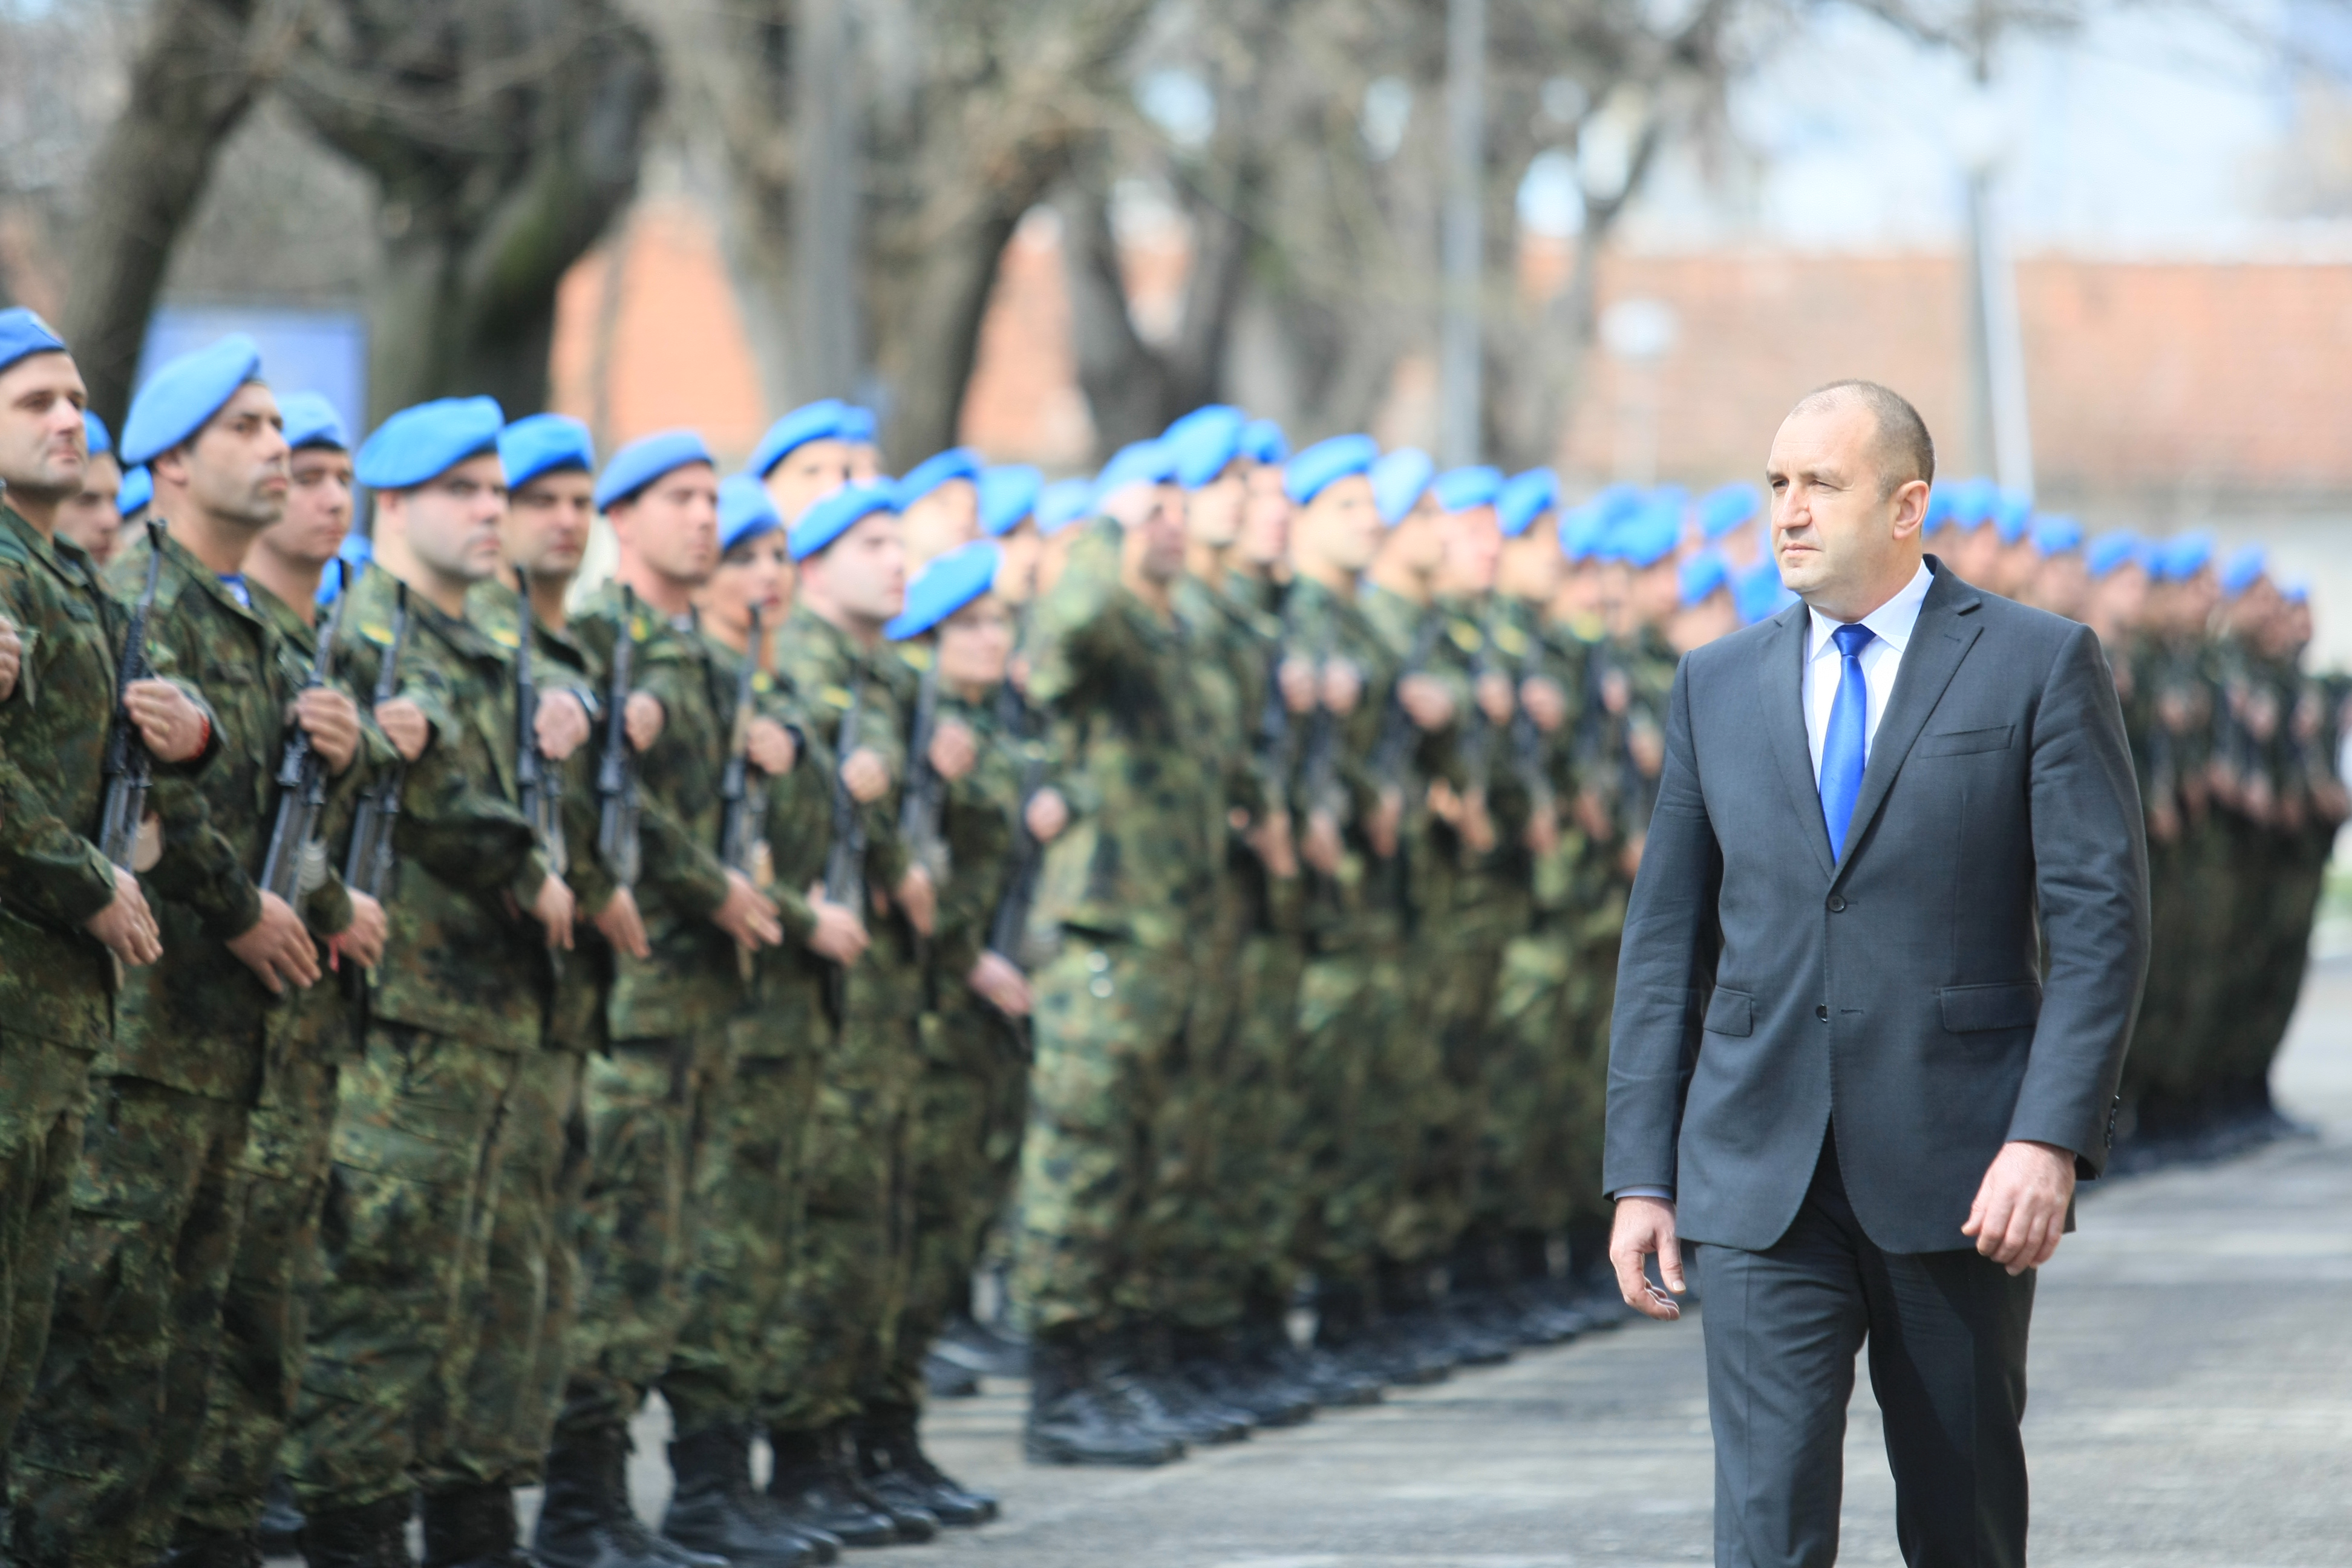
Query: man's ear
1910, 509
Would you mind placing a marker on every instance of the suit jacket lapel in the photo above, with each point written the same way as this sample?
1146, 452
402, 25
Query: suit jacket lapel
1938, 642
1781, 678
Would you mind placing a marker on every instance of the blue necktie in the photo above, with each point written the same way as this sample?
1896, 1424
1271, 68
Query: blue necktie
1845, 747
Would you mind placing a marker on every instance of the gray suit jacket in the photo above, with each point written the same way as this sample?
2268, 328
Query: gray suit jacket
1767, 986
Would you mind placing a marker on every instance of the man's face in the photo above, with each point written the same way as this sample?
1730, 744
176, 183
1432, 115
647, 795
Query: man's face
942, 521
807, 474
2121, 594
1417, 543
547, 523
451, 520
1016, 574
90, 517
1214, 514
1342, 525
672, 525
1532, 565
43, 452
1839, 539
864, 571
1155, 545
1473, 541
865, 462
318, 508
236, 467
976, 643
1266, 517
1655, 592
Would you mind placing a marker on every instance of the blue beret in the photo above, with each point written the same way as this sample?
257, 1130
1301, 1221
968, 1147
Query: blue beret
2243, 568
820, 421
2181, 558
1461, 489
1526, 498
1399, 482
312, 421
1583, 531
540, 444
945, 585
23, 333
426, 441
1760, 594
137, 491
1136, 463
955, 463
645, 460
1972, 501
1618, 501
1202, 443
1647, 537
744, 511
189, 390
95, 434
2110, 551
1939, 509
858, 426
1723, 510
836, 515
1264, 442
1062, 503
1702, 574
1313, 471
1008, 494
2010, 514
2296, 593
2057, 535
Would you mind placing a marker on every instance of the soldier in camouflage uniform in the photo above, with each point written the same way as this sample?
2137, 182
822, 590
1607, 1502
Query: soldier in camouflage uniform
104, 1452
652, 1102
70, 923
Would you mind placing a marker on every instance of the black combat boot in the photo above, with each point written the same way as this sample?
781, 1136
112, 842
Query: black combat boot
891, 1462
713, 1508
1140, 1364
471, 1526
914, 1523
587, 1521
815, 1491
1074, 1421
945, 1378
1264, 1341
213, 1548
372, 1535
1212, 1363
280, 1534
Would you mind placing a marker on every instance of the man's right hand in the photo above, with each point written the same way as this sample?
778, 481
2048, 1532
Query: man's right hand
1644, 1228
127, 926
840, 936
12, 657
623, 926
1426, 701
276, 947
747, 915
404, 724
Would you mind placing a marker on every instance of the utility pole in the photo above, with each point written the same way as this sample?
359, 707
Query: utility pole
1459, 371
2001, 431
826, 190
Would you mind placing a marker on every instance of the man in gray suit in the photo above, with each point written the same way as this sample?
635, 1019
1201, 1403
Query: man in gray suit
1878, 976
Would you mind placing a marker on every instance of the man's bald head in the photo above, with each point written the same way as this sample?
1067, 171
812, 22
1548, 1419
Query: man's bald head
1904, 450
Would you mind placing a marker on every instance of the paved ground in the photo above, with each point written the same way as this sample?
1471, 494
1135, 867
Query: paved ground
2191, 1406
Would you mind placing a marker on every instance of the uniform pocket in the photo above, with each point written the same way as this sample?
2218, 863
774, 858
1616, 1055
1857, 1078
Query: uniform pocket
1970, 1009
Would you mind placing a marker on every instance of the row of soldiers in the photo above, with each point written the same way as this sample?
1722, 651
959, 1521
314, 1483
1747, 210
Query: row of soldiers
451, 1004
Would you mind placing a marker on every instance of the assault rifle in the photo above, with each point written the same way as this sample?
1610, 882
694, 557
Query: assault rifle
130, 768
294, 863
844, 860
619, 809
367, 866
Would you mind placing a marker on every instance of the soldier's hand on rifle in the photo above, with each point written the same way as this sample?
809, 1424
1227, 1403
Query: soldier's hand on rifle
1322, 847
866, 775
771, 747
996, 978
918, 900
12, 656
1047, 815
1297, 680
1495, 698
276, 947
404, 724
623, 926
840, 935
1546, 703
1426, 701
168, 719
1271, 841
561, 726
953, 749
127, 926
363, 940
643, 717
1477, 824
748, 914
332, 721
553, 908
1343, 685
1388, 818
1542, 836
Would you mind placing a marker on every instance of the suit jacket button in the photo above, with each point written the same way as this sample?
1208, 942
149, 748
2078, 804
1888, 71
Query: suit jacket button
1823, 1012
1837, 903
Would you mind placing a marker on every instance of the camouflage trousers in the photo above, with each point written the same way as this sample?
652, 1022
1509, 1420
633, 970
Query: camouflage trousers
515, 1322
43, 1093
1463, 955
1097, 1185
847, 1277
405, 1238
747, 1203
965, 1137
1258, 1171
1196, 1276
1355, 1091
103, 1453
651, 1106
265, 1321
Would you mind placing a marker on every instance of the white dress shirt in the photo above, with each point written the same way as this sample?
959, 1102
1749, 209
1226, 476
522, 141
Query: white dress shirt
1882, 660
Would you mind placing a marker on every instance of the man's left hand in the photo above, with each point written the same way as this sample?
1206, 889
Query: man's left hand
2021, 1208
170, 722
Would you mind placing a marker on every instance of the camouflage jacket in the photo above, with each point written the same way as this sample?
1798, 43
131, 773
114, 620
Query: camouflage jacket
1412, 635
786, 996
57, 982
1141, 858
463, 958
1322, 627
978, 823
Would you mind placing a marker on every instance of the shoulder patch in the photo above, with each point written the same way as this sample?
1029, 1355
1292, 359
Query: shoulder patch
916, 654
834, 697
1466, 635
377, 632
1511, 640
505, 636
762, 682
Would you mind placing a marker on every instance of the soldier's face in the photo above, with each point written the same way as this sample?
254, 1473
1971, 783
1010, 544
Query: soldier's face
1344, 523
864, 463
1474, 544
1213, 514
452, 520
1417, 544
1532, 564
976, 643
547, 523
1845, 540
1156, 543
942, 521
1265, 517
43, 452
1657, 591
809, 473
672, 525
863, 572
318, 508
237, 467
89, 518
1016, 574
755, 574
